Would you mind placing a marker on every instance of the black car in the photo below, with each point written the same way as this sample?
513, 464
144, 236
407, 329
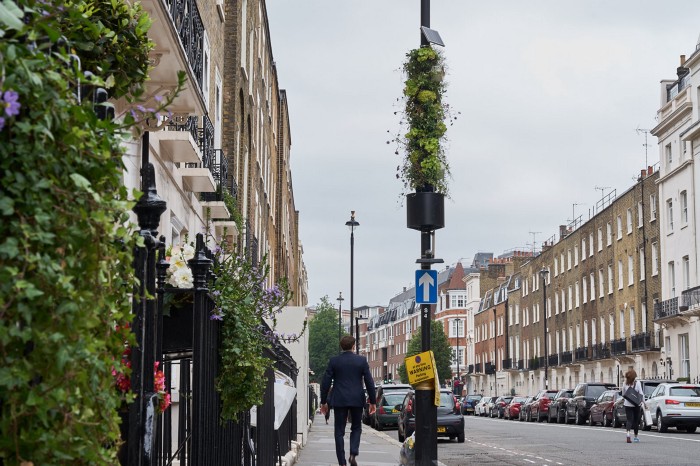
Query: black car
525, 408
450, 422
469, 402
388, 396
579, 405
557, 407
499, 406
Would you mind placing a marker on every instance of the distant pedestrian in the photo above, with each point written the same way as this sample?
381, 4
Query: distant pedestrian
346, 372
633, 411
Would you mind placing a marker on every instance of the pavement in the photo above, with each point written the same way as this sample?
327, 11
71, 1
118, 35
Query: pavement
376, 448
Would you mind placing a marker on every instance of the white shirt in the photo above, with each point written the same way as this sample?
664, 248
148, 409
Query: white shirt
638, 387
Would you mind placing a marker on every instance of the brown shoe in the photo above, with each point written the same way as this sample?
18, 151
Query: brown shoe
352, 460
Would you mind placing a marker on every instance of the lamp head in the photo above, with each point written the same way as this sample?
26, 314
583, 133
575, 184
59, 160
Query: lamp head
352, 223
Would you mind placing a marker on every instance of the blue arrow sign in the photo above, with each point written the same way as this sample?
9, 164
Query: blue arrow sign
426, 286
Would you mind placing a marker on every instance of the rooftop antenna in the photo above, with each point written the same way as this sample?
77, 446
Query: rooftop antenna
573, 210
534, 243
602, 192
646, 146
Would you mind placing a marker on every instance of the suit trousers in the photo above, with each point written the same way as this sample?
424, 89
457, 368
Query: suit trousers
341, 418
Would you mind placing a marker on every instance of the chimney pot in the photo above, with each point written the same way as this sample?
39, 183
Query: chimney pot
682, 60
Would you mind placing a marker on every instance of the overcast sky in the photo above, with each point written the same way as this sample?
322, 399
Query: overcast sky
550, 94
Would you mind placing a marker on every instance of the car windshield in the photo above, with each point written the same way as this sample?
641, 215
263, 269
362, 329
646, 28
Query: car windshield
392, 399
474, 397
594, 391
649, 389
447, 400
684, 391
519, 399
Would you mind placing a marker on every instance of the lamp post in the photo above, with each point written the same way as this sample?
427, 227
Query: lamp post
352, 224
357, 332
340, 316
459, 321
544, 273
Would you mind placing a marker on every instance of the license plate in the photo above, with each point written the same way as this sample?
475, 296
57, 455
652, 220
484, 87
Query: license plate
441, 429
693, 405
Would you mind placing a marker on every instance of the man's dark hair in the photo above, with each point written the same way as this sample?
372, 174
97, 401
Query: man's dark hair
347, 342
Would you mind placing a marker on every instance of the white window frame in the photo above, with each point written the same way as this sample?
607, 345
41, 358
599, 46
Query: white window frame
684, 207
630, 270
669, 214
654, 259
652, 207
640, 214
629, 221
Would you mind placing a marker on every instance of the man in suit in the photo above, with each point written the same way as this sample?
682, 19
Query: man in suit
347, 371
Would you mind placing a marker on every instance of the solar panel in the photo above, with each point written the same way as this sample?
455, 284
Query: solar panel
432, 36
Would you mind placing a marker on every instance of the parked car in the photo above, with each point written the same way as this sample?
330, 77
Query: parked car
512, 411
579, 405
525, 408
490, 407
469, 403
499, 406
675, 405
450, 421
648, 386
540, 405
602, 411
388, 396
557, 407
481, 408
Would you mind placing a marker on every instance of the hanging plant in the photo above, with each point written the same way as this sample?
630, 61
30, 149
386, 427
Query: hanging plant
424, 166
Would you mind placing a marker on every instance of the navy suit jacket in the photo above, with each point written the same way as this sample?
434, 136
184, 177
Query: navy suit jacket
347, 371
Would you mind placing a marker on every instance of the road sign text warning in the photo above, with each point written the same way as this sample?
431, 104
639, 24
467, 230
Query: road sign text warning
420, 367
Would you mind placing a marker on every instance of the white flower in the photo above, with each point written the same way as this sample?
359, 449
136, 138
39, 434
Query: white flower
182, 278
188, 252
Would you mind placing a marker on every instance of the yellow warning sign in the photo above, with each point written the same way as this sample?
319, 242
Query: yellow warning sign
420, 367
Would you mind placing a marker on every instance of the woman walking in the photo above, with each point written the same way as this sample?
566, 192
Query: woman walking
633, 410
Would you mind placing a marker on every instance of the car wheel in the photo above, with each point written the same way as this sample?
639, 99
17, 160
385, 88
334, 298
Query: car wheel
460, 437
401, 438
691, 429
607, 422
549, 416
566, 417
560, 418
579, 419
660, 422
378, 425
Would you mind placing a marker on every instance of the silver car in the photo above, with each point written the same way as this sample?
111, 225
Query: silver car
675, 405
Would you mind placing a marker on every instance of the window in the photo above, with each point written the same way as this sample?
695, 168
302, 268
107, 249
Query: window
654, 258
642, 265
590, 245
592, 286
578, 295
672, 278
556, 267
611, 283
600, 238
622, 323
570, 298
583, 249
684, 207
652, 207
584, 284
556, 303
561, 262
684, 350
620, 274
640, 214
669, 214
601, 281
568, 259
629, 221
576, 255
686, 272
612, 326
630, 270
593, 332
457, 328
609, 228
633, 322
517, 314
619, 227
669, 154
585, 333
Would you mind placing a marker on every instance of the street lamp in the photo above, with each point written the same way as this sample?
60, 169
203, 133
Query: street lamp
357, 332
340, 316
544, 273
352, 224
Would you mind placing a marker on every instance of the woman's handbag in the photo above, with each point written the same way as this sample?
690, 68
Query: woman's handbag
633, 396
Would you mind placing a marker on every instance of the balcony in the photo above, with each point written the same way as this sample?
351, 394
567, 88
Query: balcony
178, 35
690, 302
507, 364
477, 368
553, 360
618, 347
581, 353
647, 341
600, 351
470, 369
667, 310
521, 365
489, 368
567, 357
179, 142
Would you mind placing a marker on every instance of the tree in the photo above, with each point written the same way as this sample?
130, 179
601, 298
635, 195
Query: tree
323, 338
441, 349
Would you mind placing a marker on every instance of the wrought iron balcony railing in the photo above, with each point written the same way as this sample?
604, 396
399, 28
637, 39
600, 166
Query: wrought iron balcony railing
219, 169
507, 364
553, 360
521, 364
690, 298
477, 368
189, 124
618, 347
667, 308
647, 341
190, 28
470, 369
490, 368
567, 357
600, 351
581, 353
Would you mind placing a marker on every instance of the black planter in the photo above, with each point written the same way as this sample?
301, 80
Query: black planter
178, 325
425, 211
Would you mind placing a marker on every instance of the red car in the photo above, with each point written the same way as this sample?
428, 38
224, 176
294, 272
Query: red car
540, 405
512, 410
602, 410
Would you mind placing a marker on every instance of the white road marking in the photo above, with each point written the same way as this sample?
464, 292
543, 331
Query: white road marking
529, 461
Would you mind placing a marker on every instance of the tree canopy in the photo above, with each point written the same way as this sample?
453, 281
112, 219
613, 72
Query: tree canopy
323, 338
440, 346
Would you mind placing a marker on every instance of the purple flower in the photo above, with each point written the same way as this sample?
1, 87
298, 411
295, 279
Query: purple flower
216, 317
2, 122
10, 103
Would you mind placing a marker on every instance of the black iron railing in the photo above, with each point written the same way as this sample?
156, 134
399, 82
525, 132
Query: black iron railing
224, 182
618, 347
647, 341
190, 28
600, 351
690, 298
489, 368
185, 123
521, 364
477, 368
470, 369
553, 360
581, 353
567, 357
667, 308
507, 364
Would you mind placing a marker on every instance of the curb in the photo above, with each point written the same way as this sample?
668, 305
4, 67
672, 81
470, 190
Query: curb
389, 439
